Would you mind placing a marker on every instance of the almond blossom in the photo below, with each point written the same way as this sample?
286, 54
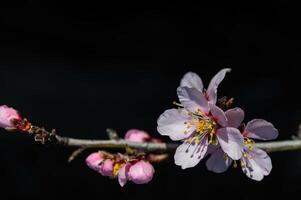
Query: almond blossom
255, 163
8, 117
126, 169
199, 130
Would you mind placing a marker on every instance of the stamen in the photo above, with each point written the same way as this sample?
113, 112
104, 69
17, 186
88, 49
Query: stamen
225, 157
177, 104
234, 164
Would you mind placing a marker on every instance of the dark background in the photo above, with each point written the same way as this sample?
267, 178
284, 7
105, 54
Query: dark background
81, 68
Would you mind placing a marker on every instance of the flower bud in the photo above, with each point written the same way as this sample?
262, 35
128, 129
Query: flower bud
135, 135
93, 161
141, 172
8, 117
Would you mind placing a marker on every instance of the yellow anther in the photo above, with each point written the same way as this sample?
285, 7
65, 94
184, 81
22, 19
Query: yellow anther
244, 155
185, 132
116, 168
251, 147
234, 164
242, 164
225, 157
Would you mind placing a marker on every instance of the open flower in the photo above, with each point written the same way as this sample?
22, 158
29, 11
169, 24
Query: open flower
139, 172
192, 81
255, 162
8, 117
199, 130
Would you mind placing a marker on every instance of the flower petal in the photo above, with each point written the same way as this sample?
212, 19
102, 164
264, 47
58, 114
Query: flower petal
218, 114
258, 164
106, 169
123, 174
93, 160
192, 80
189, 155
260, 129
173, 124
235, 117
217, 162
215, 81
192, 99
231, 141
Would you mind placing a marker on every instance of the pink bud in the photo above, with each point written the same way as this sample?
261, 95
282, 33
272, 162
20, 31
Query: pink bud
7, 117
141, 172
106, 169
135, 135
93, 161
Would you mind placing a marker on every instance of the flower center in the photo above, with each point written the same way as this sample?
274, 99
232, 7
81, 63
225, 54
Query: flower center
117, 167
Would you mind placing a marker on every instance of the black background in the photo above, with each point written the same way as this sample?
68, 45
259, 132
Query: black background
81, 68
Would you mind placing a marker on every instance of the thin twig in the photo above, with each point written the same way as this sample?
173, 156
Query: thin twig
287, 145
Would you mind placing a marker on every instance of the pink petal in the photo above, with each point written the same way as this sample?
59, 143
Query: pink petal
173, 124
141, 172
7, 115
106, 169
258, 166
215, 81
231, 141
189, 155
217, 162
260, 129
235, 117
192, 80
93, 160
192, 99
218, 115
123, 174
135, 135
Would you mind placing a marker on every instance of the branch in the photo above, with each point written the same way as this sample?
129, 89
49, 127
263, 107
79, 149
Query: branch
287, 145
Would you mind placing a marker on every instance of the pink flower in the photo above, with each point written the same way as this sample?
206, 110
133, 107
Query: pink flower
255, 162
194, 83
140, 172
135, 135
8, 117
198, 130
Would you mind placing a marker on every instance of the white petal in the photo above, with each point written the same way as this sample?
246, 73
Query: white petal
217, 163
235, 117
218, 115
172, 124
215, 81
258, 166
192, 99
261, 129
189, 155
192, 80
231, 141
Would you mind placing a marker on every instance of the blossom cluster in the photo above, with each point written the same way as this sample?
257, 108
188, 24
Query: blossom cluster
125, 167
215, 132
